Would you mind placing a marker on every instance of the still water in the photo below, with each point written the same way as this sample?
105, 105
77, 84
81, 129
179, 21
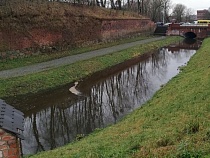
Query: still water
57, 117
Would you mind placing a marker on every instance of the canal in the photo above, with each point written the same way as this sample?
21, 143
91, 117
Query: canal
65, 114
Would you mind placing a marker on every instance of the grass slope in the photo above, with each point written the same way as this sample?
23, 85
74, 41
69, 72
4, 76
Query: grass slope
63, 75
174, 123
38, 11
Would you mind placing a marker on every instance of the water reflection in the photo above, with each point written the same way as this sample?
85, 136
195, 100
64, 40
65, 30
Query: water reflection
57, 117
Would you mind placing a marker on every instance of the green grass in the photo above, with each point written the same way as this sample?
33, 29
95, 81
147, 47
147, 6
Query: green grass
174, 123
20, 62
63, 75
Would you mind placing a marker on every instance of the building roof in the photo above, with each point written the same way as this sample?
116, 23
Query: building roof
11, 119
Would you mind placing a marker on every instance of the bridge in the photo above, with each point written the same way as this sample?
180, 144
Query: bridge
189, 31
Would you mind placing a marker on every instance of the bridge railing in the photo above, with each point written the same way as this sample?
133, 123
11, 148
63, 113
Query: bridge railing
196, 25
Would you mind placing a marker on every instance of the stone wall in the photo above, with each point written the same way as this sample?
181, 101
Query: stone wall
9, 145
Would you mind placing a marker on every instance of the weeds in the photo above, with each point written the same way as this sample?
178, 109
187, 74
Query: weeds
164, 141
192, 127
80, 136
185, 152
207, 136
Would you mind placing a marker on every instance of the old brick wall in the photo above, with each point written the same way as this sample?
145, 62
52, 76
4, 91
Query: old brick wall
32, 40
9, 145
117, 28
75, 32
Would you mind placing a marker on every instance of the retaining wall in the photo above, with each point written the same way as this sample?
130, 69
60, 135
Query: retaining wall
76, 32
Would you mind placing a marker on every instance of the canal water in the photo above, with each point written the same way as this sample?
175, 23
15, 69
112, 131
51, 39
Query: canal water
60, 116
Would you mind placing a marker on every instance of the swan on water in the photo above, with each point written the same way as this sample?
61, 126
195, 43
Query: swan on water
74, 90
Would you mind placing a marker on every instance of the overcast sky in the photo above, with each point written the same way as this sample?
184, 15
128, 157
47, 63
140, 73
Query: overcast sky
194, 4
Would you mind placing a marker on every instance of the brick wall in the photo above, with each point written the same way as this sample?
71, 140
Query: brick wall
75, 33
118, 28
9, 145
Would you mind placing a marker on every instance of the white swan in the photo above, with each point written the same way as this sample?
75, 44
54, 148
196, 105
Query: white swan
74, 90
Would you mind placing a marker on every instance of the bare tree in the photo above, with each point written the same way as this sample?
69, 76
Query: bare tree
179, 12
157, 10
112, 4
167, 7
188, 14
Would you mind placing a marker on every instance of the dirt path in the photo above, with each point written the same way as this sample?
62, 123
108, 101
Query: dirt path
70, 59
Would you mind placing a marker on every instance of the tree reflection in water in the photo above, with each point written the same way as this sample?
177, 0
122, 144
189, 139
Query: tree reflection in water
103, 102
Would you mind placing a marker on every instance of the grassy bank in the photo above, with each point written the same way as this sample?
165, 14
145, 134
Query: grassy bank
174, 123
66, 74
20, 62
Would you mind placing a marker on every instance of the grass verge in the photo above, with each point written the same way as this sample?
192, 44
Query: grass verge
63, 75
174, 123
20, 62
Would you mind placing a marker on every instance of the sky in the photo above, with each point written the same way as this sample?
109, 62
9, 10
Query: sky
193, 4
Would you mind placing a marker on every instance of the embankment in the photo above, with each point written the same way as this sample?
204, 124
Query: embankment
174, 123
31, 28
